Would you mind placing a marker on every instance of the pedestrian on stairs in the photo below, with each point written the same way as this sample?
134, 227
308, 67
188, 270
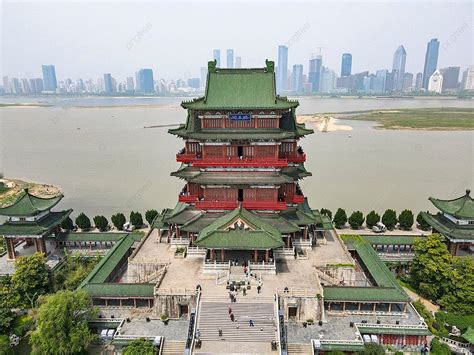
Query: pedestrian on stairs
251, 323
259, 288
230, 310
232, 317
220, 332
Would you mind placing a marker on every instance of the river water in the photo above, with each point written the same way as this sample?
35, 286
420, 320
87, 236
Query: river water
105, 161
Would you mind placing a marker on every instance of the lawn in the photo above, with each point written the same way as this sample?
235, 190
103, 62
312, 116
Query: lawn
445, 119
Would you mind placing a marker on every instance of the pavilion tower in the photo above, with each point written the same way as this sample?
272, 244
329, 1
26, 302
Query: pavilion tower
31, 220
241, 157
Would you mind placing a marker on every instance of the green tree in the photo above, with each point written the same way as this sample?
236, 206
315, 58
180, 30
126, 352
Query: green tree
439, 348
136, 219
5, 348
62, 326
67, 224
150, 216
101, 223
406, 219
340, 218
373, 349
31, 278
326, 212
140, 347
422, 224
430, 267
6, 320
118, 220
83, 222
372, 219
356, 219
389, 218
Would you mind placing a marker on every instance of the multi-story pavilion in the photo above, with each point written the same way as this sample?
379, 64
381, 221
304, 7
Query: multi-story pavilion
241, 164
455, 222
30, 219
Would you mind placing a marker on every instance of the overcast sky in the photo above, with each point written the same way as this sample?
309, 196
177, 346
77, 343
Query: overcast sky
87, 39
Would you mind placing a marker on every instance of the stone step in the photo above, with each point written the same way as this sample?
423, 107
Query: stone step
299, 349
172, 347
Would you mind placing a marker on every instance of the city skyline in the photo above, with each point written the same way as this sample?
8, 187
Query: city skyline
146, 42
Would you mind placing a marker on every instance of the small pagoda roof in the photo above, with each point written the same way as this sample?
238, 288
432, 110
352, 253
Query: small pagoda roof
37, 228
250, 88
454, 232
29, 205
461, 207
240, 229
300, 215
296, 171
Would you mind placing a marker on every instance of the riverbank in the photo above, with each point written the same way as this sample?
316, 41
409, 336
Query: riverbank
432, 119
13, 187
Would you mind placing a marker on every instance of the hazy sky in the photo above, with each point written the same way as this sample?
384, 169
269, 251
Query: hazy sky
86, 39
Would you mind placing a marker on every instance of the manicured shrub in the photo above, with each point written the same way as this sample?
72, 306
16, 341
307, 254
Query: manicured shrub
101, 223
340, 218
326, 212
422, 224
118, 220
150, 216
83, 221
67, 224
372, 219
389, 218
136, 219
406, 219
356, 219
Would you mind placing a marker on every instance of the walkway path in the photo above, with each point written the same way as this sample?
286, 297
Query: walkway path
428, 304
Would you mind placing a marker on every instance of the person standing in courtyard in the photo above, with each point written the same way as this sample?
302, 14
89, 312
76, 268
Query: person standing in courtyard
251, 323
232, 317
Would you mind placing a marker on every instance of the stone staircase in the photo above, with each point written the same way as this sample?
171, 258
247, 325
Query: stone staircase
214, 315
299, 349
322, 275
173, 347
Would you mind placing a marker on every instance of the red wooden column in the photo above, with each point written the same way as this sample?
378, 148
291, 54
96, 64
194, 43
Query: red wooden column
255, 255
267, 253
222, 255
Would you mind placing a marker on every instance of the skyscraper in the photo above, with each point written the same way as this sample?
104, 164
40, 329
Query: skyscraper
108, 87
297, 77
238, 62
49, 78
328, 80
346, 64
217, 57
230, 58
469, 81
146, 80
203, 76
398, 67
431, 61
419, 81
130, 86
450, 78
282, 73
314, 75
6, 85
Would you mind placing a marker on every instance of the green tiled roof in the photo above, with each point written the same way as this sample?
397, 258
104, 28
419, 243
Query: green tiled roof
221, 234
119, 290
196, 225
392, 239
386, 286
450, 230
363, 294
322, 221
301, 215
469, 335
235, 134
39, 227
29, 205
462, 207
107, 264
370, 329
240, 89
280, 223
240, 178
93, 237
296, 172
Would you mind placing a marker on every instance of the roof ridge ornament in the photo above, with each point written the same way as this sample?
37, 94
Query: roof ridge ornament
468, 192
270, 66
212, 66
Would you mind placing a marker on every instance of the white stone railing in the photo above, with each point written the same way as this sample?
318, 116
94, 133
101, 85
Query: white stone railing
262, 266
301, 242
180, 241
174, 292
298, 293
216, 265
285, 251
196, 252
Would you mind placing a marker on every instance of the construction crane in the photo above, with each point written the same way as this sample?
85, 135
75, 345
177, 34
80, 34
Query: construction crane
315, 54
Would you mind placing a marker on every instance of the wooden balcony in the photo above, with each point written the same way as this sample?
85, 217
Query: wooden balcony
296, 158
244, 161
186, 157
297, 199
251, 205
188, 198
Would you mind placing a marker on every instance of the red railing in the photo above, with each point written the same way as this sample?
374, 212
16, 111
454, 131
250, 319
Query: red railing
186, 157
251, 205
297, 199
237, 161
188, 198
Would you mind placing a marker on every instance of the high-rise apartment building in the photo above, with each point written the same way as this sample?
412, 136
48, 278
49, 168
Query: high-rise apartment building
431, 60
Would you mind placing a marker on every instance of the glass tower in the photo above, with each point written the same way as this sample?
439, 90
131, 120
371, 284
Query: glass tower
230, 58
217, 57
49, 78
431, 61
346, 64
282, 74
